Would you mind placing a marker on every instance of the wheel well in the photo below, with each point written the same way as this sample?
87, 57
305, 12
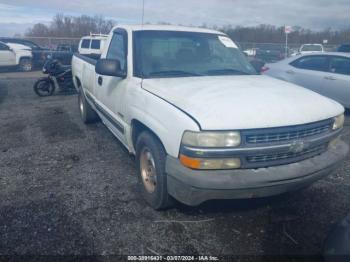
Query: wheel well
137, 128
78, 81
78, 87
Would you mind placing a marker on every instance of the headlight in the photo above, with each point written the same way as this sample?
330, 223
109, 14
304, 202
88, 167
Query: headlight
211, 139
338, 122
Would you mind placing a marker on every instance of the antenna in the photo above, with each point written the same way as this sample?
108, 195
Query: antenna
143, 11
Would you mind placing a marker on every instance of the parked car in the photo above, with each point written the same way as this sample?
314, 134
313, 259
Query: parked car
345, 48
325, 73
311, 48
200, 120
270, 53
92, 44
39, 53
15, 55
63, 53
250, 52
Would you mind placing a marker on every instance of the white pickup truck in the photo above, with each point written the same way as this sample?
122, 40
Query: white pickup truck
201, 122
16, 55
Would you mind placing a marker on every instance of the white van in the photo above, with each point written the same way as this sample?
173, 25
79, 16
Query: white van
92, 44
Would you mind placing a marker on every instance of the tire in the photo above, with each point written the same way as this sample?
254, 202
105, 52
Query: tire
25, 65
87, 113
154, 190
44, 87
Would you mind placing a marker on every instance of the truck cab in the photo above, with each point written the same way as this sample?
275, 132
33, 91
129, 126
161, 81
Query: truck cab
201, 122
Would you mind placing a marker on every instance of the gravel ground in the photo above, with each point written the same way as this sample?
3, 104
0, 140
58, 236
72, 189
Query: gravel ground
70, 189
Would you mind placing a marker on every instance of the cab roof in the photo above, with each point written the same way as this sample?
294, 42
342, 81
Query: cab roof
167, 28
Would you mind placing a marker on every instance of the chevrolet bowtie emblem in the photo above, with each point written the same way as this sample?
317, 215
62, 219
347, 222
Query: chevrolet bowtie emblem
297, 147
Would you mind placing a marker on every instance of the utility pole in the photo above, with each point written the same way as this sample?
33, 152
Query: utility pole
286, 55
287, 31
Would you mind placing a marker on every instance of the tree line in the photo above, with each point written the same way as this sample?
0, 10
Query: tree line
70, 26
299, 35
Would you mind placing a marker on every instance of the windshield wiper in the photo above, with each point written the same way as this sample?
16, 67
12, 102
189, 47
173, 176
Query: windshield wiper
173, 73
226, 71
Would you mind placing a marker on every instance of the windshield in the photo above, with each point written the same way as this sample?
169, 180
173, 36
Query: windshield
179, 54
308, 48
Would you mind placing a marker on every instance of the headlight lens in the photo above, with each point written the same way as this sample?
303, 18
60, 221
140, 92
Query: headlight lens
211, 139
338, 122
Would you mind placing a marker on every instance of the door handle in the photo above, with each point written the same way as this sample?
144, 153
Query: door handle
290, 72
100, 80
330, 78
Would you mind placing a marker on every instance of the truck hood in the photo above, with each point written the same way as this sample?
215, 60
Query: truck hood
19, 47
243, 102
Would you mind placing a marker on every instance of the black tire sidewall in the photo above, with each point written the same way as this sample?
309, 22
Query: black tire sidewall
46, 81
159, 199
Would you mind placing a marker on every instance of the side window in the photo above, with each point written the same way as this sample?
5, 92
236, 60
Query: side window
316, 63
340, 65
3, 47
95, 44
117, 49
85, 43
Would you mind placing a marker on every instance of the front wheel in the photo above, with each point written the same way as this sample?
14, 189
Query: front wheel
150, 157
44, 87
25, 64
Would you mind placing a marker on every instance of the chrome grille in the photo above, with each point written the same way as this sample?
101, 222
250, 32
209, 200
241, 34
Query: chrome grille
300, 132
287, 156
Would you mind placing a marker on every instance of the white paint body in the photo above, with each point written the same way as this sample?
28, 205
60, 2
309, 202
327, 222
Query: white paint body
330, 84
170, 106
13, 55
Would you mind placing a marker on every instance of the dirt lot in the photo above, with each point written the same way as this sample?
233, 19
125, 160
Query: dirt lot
67, 188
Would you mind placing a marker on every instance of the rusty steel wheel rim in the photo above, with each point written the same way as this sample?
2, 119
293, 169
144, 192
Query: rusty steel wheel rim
148, 170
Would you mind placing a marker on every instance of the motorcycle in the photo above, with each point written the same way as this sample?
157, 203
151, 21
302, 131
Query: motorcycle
59, 77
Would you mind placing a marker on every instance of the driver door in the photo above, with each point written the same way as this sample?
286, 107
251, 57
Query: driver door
110, 90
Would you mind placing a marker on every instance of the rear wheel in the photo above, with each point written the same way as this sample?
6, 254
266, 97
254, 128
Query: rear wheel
44, 87
87, 113
150, 158
25, 64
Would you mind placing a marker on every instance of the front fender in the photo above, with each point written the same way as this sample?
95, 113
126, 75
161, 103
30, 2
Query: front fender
164, 119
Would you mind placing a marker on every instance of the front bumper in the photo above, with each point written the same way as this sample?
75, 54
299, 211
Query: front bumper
192, 187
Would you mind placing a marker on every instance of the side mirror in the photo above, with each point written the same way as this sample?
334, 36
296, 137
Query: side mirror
109, 67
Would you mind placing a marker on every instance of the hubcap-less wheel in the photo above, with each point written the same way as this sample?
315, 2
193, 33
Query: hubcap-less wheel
148, 170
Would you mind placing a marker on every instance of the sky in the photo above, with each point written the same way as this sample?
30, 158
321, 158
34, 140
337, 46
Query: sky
18, 15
